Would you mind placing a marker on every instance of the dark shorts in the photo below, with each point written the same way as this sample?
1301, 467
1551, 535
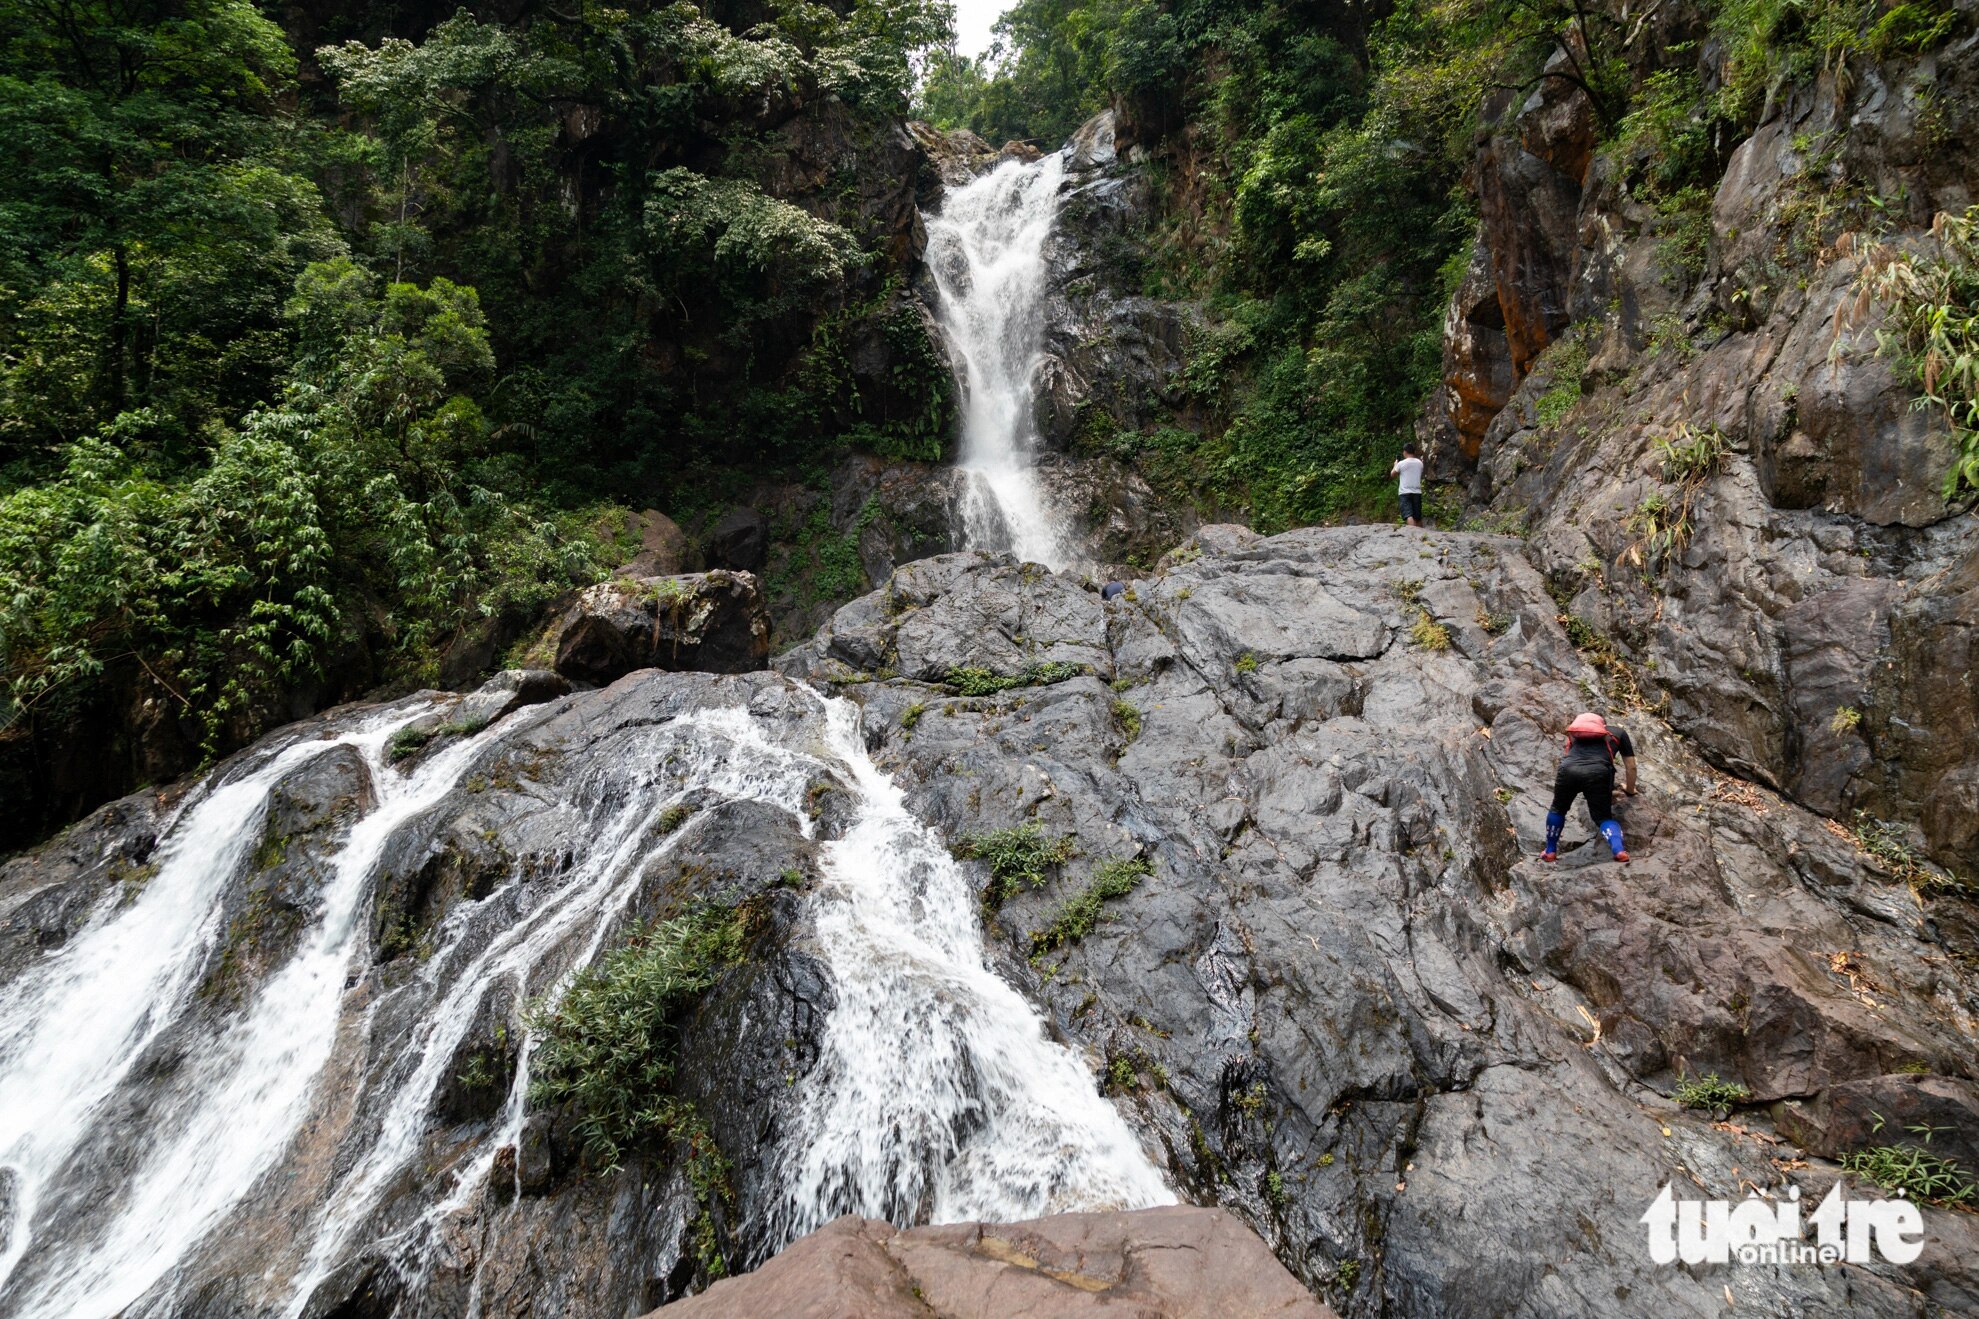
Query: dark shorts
1412, 507
1596, 783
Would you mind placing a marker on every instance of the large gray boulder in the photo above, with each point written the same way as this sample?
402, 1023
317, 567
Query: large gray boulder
1350, 1003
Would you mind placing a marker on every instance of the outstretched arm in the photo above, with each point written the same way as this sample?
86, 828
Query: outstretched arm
1628, 777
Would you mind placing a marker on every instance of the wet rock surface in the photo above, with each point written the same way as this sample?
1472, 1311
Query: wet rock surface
1178, 1263
1345, 1003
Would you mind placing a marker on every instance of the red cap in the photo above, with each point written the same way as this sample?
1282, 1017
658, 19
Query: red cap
1588, 724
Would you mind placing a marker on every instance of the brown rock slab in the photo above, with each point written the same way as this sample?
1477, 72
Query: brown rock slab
1179, 1262
1890, 1110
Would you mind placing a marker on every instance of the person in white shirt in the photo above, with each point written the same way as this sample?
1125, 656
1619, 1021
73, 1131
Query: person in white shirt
1408, 468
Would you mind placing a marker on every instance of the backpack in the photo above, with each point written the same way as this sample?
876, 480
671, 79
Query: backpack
1614, 747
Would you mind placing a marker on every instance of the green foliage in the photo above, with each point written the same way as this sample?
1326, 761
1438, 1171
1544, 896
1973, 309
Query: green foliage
408, 742
1566, 362
1662, 521
153, 216
1428, 634
911, 716
1711, 1092
1018, 857
1890, 844
823, 563
1684, 219
606, 1046
1667, 138
230, 580
220, 584
1691, 456
1127, 717
1079, 915
1246, 663
970, 680
1931, 327
1770, 43
1846, 720
1914, 1173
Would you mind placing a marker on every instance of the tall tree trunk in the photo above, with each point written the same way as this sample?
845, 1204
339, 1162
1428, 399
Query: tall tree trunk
120, 329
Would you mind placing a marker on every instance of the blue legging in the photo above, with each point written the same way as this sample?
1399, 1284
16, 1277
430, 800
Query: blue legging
1597, 784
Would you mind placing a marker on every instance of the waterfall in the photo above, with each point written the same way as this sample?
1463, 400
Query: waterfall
940, 1096
274, 1144
986, 252
73, 1030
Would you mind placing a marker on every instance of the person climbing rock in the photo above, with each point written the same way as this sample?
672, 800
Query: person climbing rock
1588, 770
1408, 485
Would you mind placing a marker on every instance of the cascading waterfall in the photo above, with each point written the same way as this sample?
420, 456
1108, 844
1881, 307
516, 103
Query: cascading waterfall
77, 1027
938, 1096
986, 251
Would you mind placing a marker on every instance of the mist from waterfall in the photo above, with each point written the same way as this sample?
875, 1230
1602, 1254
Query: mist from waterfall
986, 252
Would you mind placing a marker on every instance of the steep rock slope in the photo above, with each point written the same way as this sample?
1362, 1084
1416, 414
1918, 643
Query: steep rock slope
1346, 997
1789, 584
1327, 980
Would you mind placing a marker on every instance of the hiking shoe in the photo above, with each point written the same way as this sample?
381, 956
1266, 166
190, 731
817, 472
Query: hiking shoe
1549, 856
1621, 858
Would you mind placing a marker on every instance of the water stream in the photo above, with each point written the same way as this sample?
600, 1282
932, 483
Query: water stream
938, 1096
986, 252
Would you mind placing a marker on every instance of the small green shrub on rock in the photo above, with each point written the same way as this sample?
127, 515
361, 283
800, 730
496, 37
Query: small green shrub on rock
1711, 1092
1128, 717
1428, 634
1913, 1173
1079, 915
607, 1046
970, 680
1017, 857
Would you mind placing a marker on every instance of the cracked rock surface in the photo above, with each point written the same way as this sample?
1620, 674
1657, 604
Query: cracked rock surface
1345, 1002
1348, 1002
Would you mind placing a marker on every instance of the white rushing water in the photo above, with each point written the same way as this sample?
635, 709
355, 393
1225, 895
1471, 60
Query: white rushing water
986, 251
938, 1096
76, 1027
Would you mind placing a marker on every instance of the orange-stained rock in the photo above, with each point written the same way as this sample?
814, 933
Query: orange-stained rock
1178, 1262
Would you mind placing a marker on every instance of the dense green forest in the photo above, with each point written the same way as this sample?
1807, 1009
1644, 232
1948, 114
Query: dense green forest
324, 347
333, 337
1313, 156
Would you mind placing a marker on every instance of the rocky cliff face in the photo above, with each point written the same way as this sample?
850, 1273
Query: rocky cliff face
1113, 357
1348, 1001
1338, 994
1801, 599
